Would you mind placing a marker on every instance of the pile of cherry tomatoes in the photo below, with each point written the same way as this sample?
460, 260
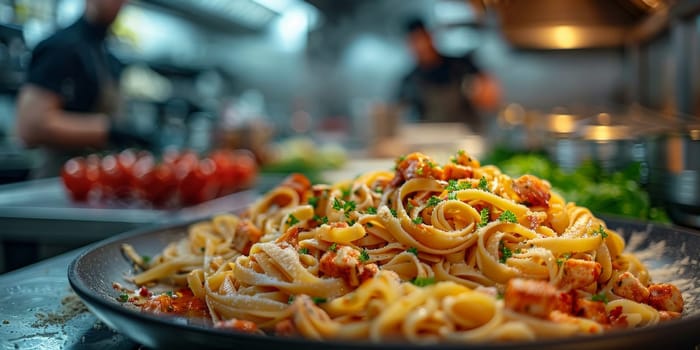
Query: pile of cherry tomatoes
178, 179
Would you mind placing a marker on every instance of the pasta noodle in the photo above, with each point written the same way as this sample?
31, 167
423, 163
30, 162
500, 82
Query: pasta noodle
457, 252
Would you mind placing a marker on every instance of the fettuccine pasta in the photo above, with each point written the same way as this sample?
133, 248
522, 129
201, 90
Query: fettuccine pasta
425, 253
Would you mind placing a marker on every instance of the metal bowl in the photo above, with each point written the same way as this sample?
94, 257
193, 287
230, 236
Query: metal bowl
674, 173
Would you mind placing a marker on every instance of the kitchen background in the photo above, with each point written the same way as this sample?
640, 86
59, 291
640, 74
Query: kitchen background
603, 80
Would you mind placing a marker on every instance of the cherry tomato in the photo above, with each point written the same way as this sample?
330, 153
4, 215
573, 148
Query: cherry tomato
245, 167
200, 183
154, 183
225, 170
74, 176
115, 181
92, 171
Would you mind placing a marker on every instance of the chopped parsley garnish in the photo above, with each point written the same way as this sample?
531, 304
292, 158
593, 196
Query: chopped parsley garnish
409, 206
346, 192
351, 222
417, 220
349, 207
401, 159
319, 300
505, 253
333, 247
337, 204
454, 185
484, 184
453, 159
600, 231
423, 281
508, 216
304, 250
485, 216
146, 259
431, 164
378, 189
290, 299
518, 251
292, 220
451, 185
413, 250
169, 293
433, 201
419, 171
364, 255
563, 258
393, 212
123, 297
371, 210
460, 152
602, 297
313, 201
452, 196
320, 219
499, 296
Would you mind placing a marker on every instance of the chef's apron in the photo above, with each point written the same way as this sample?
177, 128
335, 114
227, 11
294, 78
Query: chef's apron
446, 103
107, 103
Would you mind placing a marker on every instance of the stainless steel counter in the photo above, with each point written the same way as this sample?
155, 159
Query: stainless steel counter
39, 311
39, 214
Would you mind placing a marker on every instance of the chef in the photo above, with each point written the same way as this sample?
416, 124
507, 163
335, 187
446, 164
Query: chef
70, 99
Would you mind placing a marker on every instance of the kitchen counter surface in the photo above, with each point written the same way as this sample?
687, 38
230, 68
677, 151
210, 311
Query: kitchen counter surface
38, 310
39, 214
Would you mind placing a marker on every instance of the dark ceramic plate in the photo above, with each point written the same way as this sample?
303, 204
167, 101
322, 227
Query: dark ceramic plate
662, 248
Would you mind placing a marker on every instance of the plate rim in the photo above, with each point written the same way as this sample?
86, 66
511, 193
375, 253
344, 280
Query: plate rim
90, 295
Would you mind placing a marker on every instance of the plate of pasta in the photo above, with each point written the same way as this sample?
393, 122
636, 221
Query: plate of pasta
454, 255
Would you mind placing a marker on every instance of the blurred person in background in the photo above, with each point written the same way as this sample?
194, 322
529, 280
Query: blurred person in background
445, 89
70, 99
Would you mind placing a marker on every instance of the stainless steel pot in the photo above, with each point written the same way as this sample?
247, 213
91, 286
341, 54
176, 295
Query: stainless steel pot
674, 173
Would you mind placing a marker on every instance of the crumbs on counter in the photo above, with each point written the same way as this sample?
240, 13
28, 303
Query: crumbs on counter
5, 322
71, 306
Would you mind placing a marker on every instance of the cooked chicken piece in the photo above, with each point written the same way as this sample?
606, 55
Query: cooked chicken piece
246, 235
669, 315
536, 298
532, 191
587, 326
345, 263
665, 297
415, 165
579, 274
628, 286
592, 310
453, 171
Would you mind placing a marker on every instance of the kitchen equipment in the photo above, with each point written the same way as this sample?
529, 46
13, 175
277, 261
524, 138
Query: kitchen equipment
674, 172
91, 275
